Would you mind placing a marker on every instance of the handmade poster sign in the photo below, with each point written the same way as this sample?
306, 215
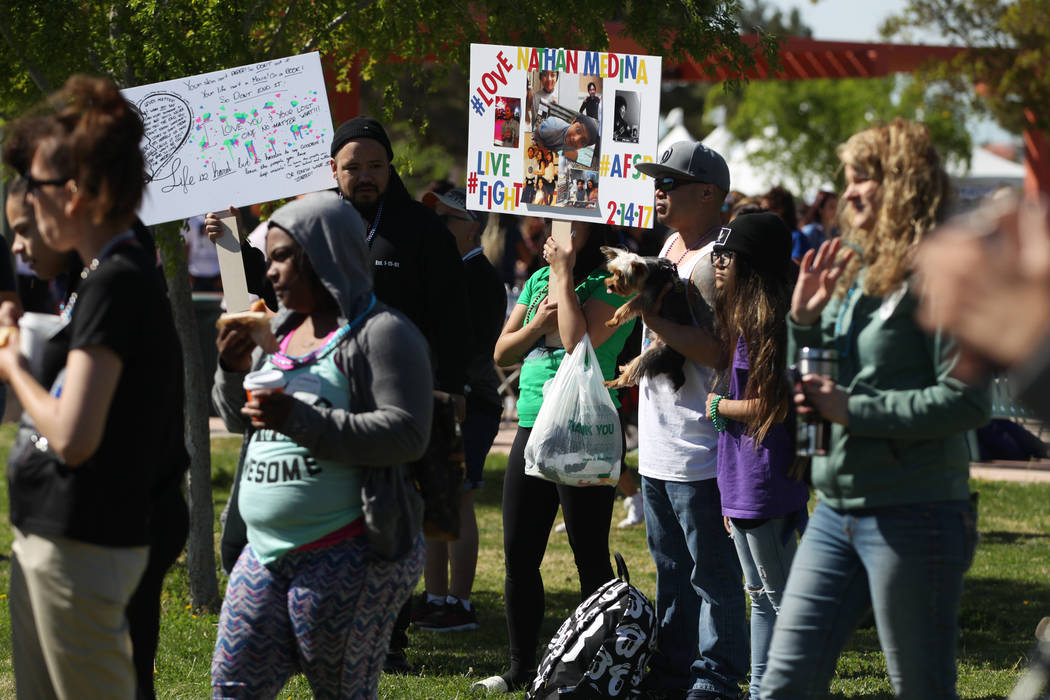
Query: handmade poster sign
238, 136
557, 133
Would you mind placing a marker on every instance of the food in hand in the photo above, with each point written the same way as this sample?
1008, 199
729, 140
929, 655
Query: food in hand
257, 322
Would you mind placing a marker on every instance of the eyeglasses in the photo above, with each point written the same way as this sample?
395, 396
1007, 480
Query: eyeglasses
668, 184
33, 185
722, 258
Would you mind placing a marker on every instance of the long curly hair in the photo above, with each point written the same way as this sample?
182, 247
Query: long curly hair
756, 310
914, 192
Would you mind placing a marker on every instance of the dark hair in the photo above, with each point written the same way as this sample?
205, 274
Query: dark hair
590, 257
781, 201
619, 101
757, 311
591, 85
89, 132
21, 143
813, 213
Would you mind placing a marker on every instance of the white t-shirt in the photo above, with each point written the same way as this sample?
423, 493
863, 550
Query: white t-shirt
675, 441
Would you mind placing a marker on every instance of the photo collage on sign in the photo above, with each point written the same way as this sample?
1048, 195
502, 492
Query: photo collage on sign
508, 121
563, 120
626, 113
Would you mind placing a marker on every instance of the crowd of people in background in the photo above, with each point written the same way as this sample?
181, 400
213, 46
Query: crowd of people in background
388, 319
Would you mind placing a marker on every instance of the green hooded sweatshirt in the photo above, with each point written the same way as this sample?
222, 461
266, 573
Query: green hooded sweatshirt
905, 442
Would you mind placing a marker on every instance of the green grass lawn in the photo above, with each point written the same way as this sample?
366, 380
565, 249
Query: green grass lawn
1007, 592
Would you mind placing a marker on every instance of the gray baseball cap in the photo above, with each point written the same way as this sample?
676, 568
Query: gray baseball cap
690, 160
454, 199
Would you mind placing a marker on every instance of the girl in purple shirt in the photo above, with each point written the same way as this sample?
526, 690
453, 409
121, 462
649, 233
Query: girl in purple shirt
763, 498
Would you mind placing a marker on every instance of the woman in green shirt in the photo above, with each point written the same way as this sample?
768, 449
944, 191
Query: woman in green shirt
547, 318
893, 529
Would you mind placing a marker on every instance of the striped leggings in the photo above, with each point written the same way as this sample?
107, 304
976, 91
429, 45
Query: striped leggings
327, 613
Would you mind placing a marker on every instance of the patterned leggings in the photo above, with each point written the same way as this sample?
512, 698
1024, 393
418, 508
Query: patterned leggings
325, 612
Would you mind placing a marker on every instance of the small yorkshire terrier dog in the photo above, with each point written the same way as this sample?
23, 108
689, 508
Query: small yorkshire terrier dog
647, 277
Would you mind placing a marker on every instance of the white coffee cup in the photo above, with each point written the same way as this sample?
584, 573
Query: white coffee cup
35, 330
272, 379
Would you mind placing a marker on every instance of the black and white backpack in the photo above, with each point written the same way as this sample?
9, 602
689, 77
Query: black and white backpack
602, 650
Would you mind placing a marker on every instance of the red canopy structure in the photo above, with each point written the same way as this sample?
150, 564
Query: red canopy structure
807, 59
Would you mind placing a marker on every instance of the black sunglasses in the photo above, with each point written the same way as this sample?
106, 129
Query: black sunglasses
668, 184
722, 258
33, 185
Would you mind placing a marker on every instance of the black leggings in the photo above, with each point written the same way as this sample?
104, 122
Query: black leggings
167, 538
529, 507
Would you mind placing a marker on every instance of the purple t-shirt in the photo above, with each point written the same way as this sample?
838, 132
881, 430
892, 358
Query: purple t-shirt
754, 482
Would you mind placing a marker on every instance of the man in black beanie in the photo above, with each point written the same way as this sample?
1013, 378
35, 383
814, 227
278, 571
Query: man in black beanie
417, 270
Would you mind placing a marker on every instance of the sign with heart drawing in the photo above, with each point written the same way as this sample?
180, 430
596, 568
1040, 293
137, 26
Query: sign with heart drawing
234, 137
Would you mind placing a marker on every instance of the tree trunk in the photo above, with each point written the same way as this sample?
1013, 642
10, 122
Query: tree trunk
200, 549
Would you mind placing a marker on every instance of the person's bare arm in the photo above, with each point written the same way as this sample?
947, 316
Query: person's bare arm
74, 421
518, 337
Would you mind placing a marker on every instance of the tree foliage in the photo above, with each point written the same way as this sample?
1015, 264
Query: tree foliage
801, 123
758, 17
142, 41
1008, 61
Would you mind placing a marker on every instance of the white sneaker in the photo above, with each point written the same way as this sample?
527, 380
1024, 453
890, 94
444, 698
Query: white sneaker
560, 527
492, 684
635, 513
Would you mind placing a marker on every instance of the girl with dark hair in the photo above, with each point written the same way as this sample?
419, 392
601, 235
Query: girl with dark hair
558, 303
763, 500
91, 484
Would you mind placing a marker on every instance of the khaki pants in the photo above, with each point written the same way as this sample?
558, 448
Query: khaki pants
68, 625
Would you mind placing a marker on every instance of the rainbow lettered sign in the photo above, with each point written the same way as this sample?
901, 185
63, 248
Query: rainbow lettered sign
237, 136
558, 133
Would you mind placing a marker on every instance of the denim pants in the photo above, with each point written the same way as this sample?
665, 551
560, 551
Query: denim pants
907, 563
765, 557
702, 639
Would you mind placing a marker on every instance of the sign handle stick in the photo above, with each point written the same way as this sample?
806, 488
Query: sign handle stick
231, 266
561, 232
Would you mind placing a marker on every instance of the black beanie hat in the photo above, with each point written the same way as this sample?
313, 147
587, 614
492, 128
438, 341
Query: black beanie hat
764, 239
361, 128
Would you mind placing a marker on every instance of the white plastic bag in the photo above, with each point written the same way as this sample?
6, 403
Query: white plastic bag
576, 437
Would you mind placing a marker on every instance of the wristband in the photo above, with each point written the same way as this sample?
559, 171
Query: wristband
718, 421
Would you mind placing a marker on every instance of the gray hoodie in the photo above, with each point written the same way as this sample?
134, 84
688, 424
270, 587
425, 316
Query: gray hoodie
385, 357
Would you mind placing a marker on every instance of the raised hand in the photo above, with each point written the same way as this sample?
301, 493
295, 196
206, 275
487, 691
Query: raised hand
818, 273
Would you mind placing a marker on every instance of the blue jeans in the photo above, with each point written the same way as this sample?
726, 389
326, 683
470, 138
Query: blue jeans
907, 563
765, 558
702, 639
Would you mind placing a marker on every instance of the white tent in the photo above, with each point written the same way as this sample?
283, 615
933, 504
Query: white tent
987, 172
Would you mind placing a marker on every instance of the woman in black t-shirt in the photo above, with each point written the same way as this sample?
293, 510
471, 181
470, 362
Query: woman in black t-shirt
108, 433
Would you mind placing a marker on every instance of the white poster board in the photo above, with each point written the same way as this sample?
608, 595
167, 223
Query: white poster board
238, 136
558, 133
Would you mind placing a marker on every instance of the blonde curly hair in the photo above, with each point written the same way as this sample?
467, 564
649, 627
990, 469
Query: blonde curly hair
913, 196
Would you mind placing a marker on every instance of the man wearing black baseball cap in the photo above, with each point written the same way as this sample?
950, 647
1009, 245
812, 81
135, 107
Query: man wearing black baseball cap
704, 645
416, 269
